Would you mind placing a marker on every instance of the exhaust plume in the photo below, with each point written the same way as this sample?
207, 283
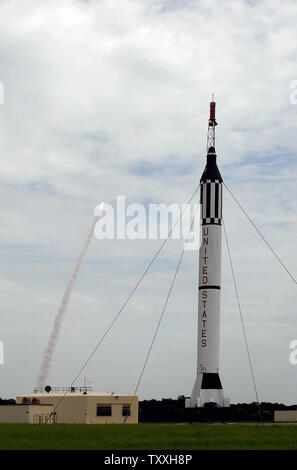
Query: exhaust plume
47, 358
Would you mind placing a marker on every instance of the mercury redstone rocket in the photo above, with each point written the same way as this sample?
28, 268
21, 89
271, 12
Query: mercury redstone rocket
208, 387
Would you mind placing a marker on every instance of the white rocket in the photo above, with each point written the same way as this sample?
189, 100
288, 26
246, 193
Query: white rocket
208, 387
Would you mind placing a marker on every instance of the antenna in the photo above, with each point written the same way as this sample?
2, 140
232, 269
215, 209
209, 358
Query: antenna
85, 388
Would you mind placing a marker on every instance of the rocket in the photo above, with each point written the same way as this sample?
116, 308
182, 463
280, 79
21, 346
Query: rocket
208, 387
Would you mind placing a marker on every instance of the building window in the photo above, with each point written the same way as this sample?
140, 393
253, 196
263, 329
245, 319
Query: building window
103, 410
126, 411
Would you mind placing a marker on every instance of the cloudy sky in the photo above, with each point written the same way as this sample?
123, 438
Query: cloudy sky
111, 97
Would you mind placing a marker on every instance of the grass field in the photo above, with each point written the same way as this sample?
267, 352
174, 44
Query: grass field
148, 436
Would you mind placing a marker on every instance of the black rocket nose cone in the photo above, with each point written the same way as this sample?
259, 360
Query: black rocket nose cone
211, 171
211, 151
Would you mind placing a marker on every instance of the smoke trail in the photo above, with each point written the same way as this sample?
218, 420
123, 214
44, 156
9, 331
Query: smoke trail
47, 359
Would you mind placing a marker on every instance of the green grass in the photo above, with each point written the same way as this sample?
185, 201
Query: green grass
147, 436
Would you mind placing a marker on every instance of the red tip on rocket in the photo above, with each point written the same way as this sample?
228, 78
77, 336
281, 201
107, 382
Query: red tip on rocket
212, 114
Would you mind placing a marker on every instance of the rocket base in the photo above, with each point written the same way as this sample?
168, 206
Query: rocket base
207, 389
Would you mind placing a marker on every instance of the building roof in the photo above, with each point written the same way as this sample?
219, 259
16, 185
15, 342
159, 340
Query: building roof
73, 394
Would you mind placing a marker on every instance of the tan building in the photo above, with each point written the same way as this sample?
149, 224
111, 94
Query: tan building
74, 407
285, 416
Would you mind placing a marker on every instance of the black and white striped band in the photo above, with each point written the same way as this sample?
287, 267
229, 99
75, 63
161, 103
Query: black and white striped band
211, 202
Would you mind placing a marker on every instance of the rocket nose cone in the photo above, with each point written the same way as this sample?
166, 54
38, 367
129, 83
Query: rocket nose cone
211, 151
211, 171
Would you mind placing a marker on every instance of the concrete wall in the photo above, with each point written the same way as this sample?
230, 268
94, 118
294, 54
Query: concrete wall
285, 416
71, 409
14, 414
22, 413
